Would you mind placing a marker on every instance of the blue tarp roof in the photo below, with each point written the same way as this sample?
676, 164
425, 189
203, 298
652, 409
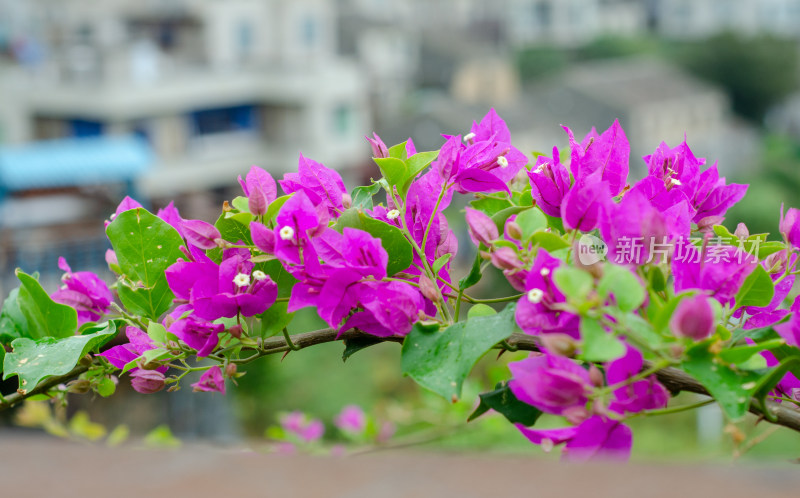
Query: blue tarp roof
73, 162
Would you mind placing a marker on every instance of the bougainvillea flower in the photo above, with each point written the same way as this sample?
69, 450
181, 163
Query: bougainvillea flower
212, 380
693, 318
200, 234
676, 169
138, 343
551, 383
583, 205
263, 238
379, 149
644, 394
713, 197
596, 438
790, 226
299, 424
634, 230
147, 381
223, 290
789, 385
198, 334
390, 308
354, 249
170, 214
351, 419
297, 220
321, 184
599, 438
85, 292
790, 329
605, 157
720, 273
493, 129
764, 316
536, 313
260, 189
481, 228
549, 183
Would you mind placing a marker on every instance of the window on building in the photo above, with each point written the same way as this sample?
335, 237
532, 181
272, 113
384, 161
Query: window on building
343, 119
224, 119
84, 128
309, 31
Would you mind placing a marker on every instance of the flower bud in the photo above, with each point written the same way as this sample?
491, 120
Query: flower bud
707, 224
147, 381
513, 230
347, 200
260, 189
230, 370
226, 207
79, 386
379, 149
576, 414
741, 231
776, 262
559, 344
506, 258
201, 234
790, 226
516, 278
482, 229
428, 289
596, 376
693, 318
236, 331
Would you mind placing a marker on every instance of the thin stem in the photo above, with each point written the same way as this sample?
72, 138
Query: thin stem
674, 409
289, 341
433, 216
457, 309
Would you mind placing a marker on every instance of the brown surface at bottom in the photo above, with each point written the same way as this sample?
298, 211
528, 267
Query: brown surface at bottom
38, 467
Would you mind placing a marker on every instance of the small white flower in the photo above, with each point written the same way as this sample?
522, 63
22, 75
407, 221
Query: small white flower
535, 296
241, 280
544, 272
469, 136
502, 161
287, 233
393, 214
259, 275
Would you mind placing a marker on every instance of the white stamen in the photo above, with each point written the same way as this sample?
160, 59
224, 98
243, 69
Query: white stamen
547, 445
259, 275
469, 136
535, 296
393, 214
502, 161
113, 215
544, 272
675, 181
241, 280
65, 277
540, 168
287, 233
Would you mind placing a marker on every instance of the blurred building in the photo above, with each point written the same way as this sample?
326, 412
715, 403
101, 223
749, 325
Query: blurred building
703, 18
212, 86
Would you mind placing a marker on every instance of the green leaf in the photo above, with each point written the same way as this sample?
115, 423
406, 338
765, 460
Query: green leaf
781, 352
531, 221
732, 389
145, 247
628, 292
235, 228
275, 207
32, 360
398, 151
362, 196
441, 360
769, 381
658, 281
415, 164
491, 205
474, 275
241, 204
392, 239
598, 345
161, 437
275, 319
503, 401
44, 317
500, 217
352, 346
279, 275
480, 310
12, 321
549, 241
757, 289
743, 353
440, 262
146, 357
157, 332
770, 247
575, 283
394, 170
